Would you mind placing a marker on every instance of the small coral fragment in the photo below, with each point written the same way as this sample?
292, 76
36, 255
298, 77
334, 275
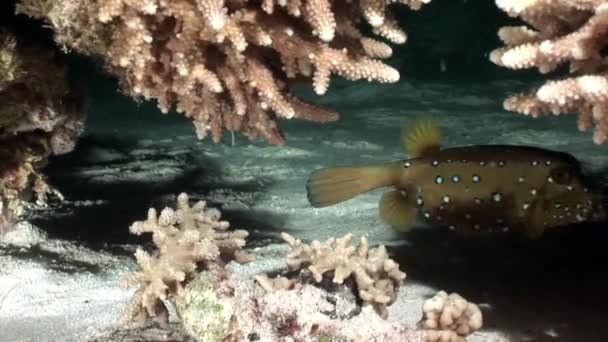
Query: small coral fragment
377, 277
449, 318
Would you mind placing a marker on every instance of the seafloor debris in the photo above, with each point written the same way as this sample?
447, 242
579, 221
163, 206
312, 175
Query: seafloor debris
228, 64
572, 32
189, 239
449, 318
39, 116
221, 306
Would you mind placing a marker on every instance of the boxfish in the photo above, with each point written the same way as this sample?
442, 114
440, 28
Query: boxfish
477, 188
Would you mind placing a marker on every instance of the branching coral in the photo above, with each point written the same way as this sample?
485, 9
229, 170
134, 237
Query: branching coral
189, 239
563, 31
39, 116
228, 64
449, 318
377, 277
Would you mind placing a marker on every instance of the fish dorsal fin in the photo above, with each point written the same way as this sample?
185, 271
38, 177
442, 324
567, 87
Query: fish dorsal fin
421, 138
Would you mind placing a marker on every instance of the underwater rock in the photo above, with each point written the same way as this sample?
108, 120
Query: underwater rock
218, 305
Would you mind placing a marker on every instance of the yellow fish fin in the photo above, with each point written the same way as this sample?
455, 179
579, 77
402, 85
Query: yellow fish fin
535, 221
421, 138
396, 211
333, 185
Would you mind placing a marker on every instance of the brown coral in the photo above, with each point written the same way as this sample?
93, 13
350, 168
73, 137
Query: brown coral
39, 116
188, 239
228, 64
563, 31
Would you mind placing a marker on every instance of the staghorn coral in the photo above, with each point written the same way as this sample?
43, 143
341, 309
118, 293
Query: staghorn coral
189, 239
449, 318
39, 116
377, 277
229, 64
562, 31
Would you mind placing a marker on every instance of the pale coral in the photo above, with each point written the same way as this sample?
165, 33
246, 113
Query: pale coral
563, 31
450, 318
188, 239
376, 275
228, 64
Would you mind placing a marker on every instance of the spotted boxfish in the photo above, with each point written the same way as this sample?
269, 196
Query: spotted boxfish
485, 188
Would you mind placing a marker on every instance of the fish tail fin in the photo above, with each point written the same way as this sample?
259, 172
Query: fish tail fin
422, 137
396, 211
333, 185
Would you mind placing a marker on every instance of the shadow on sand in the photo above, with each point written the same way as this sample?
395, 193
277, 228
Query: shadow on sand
553, 289
127, 200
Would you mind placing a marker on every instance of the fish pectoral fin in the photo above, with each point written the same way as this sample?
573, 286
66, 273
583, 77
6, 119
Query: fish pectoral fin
535, 220
395, 210
421, 138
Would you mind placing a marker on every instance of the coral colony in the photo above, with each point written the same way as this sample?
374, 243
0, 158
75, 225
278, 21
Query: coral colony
229, 65
329, 289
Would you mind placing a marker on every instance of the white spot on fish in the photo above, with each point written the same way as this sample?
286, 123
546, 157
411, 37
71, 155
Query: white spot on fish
501, 163
533, 192
407, 164
477, 200
526, 206
467, 216
482, 163
547, 162
445, 199
521, 179
452, 227
435, 163
455, 178
427, 214
475, 178
476, 227
550, 179
439, 180
419, 200
497, 197
534, 163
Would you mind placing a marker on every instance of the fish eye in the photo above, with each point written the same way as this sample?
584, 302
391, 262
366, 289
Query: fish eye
561, 176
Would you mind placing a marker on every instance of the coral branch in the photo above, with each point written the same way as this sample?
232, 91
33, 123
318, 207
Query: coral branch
228, 64
377, 276
189, 239
573, 32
